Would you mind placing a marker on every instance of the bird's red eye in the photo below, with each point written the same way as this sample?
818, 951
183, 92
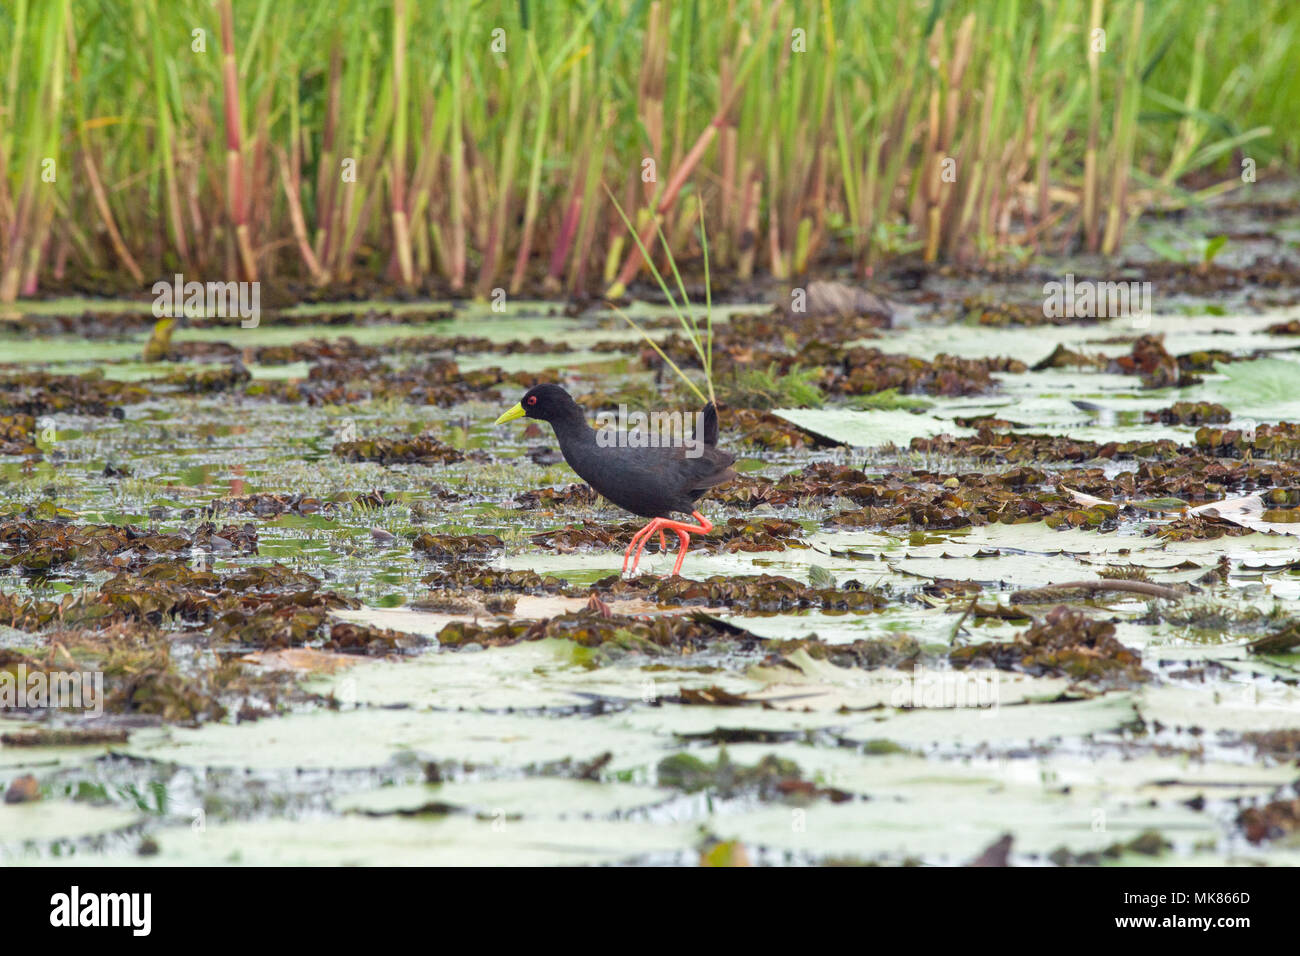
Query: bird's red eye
532, 399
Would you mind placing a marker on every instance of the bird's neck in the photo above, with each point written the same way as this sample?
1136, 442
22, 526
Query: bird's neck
571, 428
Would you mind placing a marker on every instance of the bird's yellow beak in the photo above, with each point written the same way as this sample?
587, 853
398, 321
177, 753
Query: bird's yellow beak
516, 412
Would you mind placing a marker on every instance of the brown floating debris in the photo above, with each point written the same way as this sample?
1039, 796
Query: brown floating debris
1053, 592
457, 545
1250, 512
1272, 821
63, 737
764, 593
712, 696
1284, 640
1153, 363
996, 854
23, 789
840, 300
683, 634
1065, 643
1290, 327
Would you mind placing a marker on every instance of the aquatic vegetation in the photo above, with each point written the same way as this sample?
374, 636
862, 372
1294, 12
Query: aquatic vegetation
42, 393
458, 546
1020, 447
771, 777
455, 575
737, 534
684, 634
1191, 413
765, 388
208, 380
1149, 843
1066, 643
350, 542
1277, 442
763, 593
421, 449
18, 435
40, 545
764, 430
1276, 820
1151, 361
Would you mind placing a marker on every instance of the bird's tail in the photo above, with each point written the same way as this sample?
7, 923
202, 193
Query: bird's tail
710, 435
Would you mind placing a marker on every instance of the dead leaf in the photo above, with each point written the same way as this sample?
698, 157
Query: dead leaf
304, 659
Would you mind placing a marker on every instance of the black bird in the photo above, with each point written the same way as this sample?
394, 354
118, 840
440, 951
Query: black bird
650, 482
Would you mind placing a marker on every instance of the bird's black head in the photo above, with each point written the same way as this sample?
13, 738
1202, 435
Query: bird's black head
550, 403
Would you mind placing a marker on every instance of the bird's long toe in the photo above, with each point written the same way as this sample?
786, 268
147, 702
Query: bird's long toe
639, 542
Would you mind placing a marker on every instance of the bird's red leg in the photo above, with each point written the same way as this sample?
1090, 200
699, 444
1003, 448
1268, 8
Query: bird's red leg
681, 552
627, 555
641, 536
704, 526
684, 532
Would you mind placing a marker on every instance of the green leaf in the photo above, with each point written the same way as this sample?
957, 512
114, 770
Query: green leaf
1213, 247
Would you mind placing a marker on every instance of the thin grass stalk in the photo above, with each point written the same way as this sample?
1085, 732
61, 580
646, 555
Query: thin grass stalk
1191, 128
749, 235
651, 85
171, 191
932, 159
327, 174
685, 33
680, 310
236, 194
1130, 93
703, 344
11, 86
708, 306
292, 186
1091, 226
456, 253
401, 228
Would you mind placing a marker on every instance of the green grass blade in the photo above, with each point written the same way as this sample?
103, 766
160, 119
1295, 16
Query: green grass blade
662, 354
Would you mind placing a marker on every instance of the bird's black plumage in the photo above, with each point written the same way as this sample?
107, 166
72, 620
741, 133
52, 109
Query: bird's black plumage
651, 482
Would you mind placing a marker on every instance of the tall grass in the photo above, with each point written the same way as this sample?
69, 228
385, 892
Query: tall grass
360, 139
31, 157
